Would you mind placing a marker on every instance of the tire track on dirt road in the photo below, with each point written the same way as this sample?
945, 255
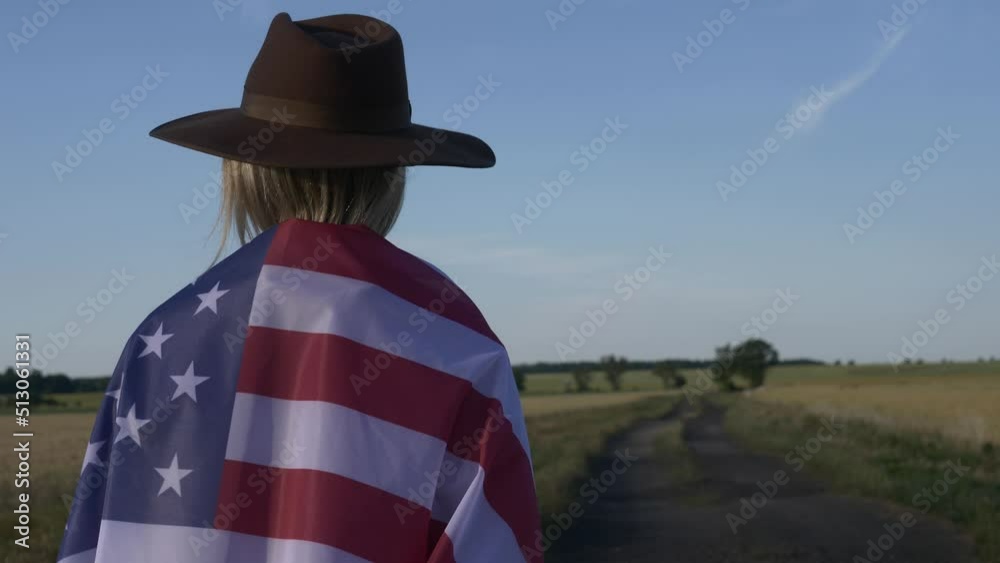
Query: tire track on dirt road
648, 516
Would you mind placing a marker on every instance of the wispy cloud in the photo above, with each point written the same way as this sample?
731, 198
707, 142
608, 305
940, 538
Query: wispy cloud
856, 80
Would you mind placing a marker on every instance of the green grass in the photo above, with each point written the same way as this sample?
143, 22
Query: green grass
674, 455
56, 454
571, 429
564, 444
72, 402
549, 383
878, 462
781, 375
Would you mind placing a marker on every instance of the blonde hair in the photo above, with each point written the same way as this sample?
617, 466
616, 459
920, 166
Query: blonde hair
255, 197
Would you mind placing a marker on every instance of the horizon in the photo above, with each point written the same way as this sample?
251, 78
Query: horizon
820, 176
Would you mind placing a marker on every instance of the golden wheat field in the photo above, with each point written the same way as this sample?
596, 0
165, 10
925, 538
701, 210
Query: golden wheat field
961, 402
551, 404
562, 444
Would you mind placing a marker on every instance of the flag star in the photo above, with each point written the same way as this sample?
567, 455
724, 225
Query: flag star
154, 342
115, 394
187, 383
129, 426
172, 476
210, 299
92, 456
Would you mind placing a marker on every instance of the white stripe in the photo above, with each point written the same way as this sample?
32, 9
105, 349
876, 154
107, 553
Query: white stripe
476, 529
333, 438
153, 543
306, 301
458, 476
82, 557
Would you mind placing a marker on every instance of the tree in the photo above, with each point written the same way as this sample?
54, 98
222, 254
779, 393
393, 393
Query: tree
614, 367
722, 367
752, 358
519, 379
581, 376
666, 372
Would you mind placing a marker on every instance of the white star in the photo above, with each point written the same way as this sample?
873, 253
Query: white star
115, 394
187, 383
210, 299
92, 456
129, 425
172, 477
154, 342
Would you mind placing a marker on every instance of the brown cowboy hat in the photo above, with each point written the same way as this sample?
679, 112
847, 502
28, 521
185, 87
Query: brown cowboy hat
328, 92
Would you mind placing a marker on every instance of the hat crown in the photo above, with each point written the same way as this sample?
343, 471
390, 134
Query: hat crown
334, 71
326, 93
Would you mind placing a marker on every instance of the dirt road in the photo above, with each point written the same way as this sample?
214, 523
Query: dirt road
647, 517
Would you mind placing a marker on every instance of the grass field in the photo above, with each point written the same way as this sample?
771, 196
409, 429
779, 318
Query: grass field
902, 430
565, 430
904, 426
958, 401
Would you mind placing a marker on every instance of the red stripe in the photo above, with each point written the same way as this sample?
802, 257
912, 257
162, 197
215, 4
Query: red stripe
404, 393
321, 507
483, 435
435, 533
357, 252
444, 551
330, 368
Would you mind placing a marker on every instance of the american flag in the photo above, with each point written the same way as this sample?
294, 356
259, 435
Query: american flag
318, 396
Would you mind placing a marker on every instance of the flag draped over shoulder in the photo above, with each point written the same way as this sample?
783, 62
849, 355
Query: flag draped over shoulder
319, 396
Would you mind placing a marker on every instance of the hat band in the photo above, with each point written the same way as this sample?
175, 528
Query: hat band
305, 114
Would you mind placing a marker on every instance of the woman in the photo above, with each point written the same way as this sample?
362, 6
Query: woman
319, 395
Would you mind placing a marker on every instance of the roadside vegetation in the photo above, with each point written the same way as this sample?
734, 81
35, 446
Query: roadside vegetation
564, 444
924, 471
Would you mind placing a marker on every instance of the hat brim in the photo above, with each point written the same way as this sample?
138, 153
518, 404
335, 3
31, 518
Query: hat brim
230, 133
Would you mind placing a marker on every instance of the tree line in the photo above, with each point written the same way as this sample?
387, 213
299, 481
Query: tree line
750, 359
42, 384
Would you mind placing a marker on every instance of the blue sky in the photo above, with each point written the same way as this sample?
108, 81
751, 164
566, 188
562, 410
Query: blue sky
685, 123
